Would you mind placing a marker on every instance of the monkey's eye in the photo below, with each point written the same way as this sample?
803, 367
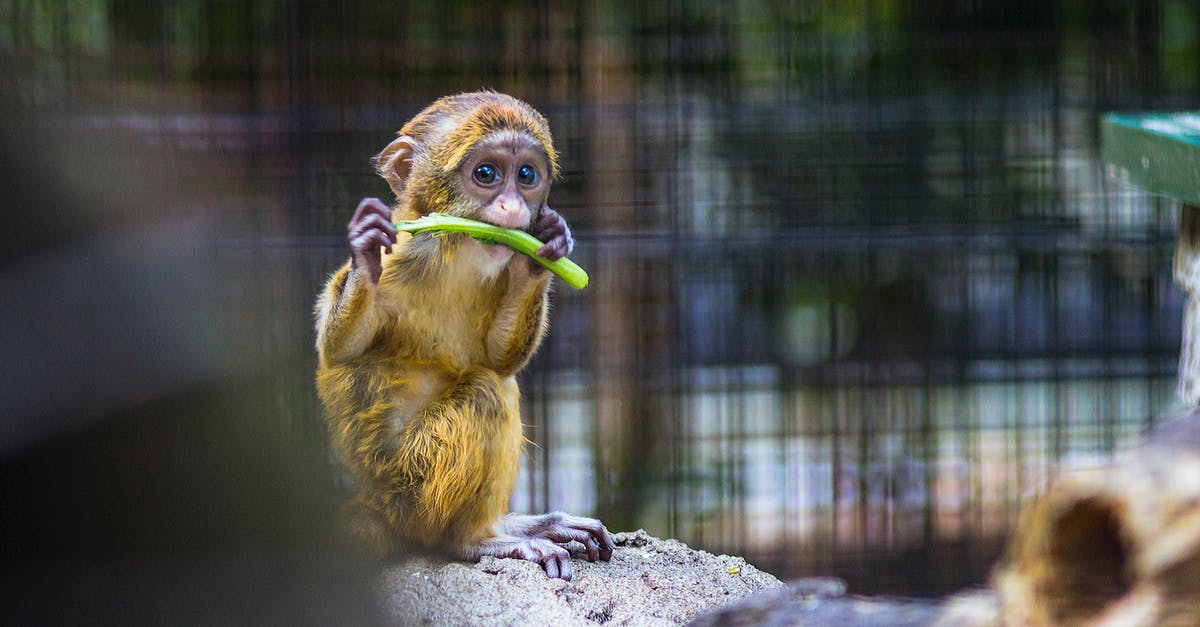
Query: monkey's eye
527, 175
486, 173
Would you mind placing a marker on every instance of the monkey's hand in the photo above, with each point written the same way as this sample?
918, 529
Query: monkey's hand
551, 228
369, 231
563, 529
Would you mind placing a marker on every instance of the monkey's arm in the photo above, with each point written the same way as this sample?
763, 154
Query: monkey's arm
520, 320
346, 316
522, 317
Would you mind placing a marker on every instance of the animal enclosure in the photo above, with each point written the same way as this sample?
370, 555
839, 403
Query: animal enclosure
859, 282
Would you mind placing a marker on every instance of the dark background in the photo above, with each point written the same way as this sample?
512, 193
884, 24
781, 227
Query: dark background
859, 282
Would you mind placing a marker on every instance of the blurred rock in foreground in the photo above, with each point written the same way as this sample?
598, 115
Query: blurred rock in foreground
1117, 545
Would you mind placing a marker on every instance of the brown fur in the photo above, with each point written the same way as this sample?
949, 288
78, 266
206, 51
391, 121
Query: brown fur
416, 374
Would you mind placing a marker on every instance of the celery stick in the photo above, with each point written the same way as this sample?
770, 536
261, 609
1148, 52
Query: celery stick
519, 241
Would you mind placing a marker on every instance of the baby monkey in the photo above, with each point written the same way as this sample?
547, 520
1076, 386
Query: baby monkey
419, 347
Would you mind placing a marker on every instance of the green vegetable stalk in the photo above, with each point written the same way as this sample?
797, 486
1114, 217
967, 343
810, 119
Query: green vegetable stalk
519, 241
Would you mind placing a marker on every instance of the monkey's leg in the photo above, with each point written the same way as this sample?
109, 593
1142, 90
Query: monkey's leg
456, 461
466, 446
563, 529
346, 317
520, 321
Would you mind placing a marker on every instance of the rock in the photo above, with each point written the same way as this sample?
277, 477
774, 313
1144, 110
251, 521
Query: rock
822, 601
1116, 545
649, 581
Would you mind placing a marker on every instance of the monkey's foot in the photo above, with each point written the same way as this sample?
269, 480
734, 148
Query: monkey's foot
554, 559
564, 529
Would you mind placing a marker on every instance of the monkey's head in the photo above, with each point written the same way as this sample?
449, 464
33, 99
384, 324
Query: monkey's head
484, 155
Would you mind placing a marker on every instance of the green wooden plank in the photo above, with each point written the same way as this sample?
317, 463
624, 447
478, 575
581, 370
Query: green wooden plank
1157, 151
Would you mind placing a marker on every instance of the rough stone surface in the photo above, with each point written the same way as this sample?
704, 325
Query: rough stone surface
821, 602
648, 582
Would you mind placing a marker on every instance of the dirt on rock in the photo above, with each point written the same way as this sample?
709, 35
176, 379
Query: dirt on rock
649, 581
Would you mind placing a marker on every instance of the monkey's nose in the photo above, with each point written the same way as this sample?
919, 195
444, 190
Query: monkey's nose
509, 214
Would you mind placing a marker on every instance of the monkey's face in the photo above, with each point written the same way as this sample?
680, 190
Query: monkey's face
507, 177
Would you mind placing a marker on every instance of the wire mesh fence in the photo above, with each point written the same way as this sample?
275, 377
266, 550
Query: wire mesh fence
859, 282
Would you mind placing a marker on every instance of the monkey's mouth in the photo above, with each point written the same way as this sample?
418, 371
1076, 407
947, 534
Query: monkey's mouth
494, 249
525, 226
498, 252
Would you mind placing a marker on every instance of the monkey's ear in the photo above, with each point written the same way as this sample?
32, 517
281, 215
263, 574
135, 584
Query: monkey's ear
394, 162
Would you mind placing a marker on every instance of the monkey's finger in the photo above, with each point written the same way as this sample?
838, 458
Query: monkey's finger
552, 232
550, 224
546, 218
593, 549
597, 535
550, 563
562, 241
566, 535
582, 534
547, 235
607, 544
565, 229
367, 243
374, 219
369, 205
549, 218
531, 552
554, 249
370, 242
376, 222
588, 532
565, 571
